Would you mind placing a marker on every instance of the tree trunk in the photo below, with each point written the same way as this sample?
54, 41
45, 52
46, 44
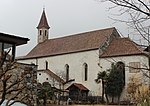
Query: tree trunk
44, 101
107, 98
103, 91
118, 99
3, 93
112, 99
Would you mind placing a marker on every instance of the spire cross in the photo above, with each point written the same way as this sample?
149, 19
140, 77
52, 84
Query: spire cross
44, 7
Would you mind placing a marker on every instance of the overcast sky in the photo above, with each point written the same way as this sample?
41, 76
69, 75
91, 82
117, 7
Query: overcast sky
65, 17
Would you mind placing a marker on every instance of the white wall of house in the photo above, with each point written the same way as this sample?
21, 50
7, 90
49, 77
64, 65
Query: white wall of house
44, 77
106, 63
76, 67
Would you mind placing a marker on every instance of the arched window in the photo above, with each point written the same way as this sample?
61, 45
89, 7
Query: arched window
45, 32
67, 72
40, 32
121, 67
46, 65
85, 72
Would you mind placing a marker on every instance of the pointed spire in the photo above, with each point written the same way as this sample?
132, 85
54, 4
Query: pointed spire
43, 22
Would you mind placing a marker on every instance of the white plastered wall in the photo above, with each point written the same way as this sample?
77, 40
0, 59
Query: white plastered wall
106, 64
76, 69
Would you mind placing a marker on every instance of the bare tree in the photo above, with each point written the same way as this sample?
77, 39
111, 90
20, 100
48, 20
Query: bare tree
138, 12
14, 85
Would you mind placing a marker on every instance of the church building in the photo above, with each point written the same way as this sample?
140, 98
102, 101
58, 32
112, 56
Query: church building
75, 60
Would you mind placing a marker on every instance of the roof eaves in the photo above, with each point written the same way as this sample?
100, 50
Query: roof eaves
82, 33
111, 56
41, 56
9, 38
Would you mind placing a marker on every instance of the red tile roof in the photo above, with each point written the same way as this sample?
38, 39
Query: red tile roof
121, 47
71, 44
43, 22
79, 86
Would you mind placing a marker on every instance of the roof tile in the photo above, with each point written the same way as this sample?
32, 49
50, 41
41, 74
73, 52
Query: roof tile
79, 86
43, 21
70, 44
122, 46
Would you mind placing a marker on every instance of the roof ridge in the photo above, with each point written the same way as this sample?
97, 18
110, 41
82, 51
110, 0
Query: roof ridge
81, 33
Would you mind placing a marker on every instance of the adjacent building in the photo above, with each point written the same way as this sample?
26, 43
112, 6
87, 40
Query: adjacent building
9, 42
18, 80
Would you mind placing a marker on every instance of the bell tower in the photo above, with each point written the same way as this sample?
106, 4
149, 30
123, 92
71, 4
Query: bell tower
43, 28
